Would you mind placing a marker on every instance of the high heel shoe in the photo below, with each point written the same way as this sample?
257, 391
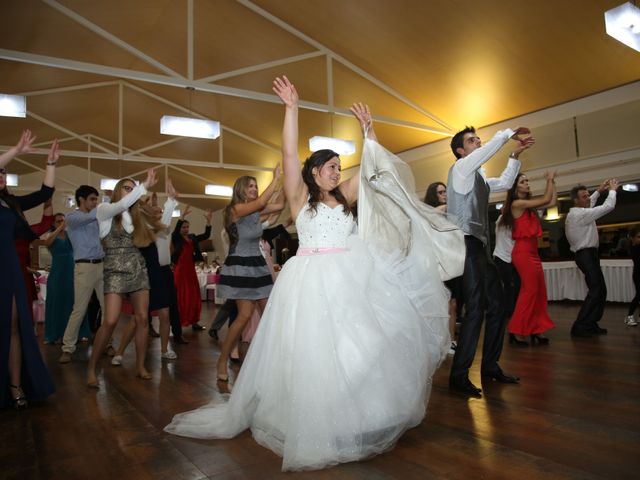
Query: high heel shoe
518, 343
20, 401
539, 339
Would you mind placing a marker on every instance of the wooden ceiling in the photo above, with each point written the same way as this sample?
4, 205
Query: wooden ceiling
425, 67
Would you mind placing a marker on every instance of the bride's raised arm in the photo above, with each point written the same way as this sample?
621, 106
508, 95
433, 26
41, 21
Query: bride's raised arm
294, 187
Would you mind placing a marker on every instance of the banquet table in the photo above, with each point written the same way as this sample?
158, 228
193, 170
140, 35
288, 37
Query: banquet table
205, 279
564, 280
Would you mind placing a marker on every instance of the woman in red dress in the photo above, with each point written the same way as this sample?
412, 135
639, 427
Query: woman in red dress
186, 252
530, 317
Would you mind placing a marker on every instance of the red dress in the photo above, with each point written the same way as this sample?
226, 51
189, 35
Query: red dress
530, 315
187, 286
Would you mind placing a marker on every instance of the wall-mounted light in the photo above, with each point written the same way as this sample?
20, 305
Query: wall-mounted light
218, 190
189, 127
623, 24
13, 106
341, 147
630, 187
108, 183
12, 180
552, 214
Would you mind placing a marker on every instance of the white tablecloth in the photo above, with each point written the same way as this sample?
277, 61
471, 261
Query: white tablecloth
565, 280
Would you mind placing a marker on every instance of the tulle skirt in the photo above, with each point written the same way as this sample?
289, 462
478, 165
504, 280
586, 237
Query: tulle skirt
341, 363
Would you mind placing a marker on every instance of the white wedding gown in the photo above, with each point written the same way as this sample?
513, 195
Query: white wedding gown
342, 361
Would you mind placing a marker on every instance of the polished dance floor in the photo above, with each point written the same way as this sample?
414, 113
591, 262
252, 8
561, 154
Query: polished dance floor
576, 415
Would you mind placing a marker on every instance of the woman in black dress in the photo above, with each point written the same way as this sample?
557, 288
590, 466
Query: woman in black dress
23, 374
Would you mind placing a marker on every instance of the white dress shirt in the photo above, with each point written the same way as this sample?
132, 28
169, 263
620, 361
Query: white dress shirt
504, 242
106, 211
464, 169
580, 226
163, 238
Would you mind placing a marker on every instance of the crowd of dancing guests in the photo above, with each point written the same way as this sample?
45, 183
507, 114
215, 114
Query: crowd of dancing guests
123, 250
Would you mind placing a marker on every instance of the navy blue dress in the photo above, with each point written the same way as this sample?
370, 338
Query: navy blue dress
36, 381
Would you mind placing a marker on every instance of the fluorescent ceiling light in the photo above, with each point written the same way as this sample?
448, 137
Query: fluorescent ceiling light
499, 206
189, 127
12, 180
108, 183
630, 187
623, 24
218, 190
13, 106
341, 147
176, 213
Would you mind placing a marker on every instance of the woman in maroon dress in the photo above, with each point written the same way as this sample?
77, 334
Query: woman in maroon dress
185, 252
530, 317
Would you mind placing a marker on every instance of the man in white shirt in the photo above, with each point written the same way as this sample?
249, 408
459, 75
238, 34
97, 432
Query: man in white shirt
468, 192
581, 231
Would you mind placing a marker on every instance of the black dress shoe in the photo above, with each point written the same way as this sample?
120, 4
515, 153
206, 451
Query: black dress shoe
465, 387
213, 333
196, 327
581, 333
500, 377
599, 331
180, 341
539, 339
513, 340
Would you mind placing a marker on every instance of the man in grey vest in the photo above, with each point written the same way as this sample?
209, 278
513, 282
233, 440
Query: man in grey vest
468, 202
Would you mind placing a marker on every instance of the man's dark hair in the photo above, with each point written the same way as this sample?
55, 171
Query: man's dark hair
84, 191
458, 140
575, 190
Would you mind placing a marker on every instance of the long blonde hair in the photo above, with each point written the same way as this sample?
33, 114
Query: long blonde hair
238, 196
146, 222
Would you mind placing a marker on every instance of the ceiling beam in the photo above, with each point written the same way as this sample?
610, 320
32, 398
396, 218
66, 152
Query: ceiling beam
190, 39
71, 88
285, 26
261, 66
184, 83
110, 37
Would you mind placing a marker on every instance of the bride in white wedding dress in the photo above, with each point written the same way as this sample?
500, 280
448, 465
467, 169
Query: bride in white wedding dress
355, 326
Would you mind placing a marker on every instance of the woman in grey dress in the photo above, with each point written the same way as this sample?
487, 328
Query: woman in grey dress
245, 276
124, 227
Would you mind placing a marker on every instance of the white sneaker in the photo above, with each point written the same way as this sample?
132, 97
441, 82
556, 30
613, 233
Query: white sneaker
630, 321
452, 349
116, 360
169, 355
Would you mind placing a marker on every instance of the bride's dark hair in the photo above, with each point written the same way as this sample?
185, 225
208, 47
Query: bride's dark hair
318, 159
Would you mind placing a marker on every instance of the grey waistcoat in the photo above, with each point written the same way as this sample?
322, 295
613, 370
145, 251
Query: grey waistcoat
471, 211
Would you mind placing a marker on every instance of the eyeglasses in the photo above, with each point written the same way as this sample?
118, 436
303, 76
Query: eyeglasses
127, 188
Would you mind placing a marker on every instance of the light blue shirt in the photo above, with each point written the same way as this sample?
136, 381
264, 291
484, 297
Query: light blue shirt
84, 234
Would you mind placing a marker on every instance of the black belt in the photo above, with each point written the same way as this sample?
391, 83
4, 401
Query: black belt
87, 260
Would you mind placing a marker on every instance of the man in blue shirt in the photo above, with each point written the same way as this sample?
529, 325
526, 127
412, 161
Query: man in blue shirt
82, 229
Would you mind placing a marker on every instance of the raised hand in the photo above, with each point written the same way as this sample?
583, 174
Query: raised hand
24, 145
613, 184
286, 91
171, 191
604, 185
187, 210
523, 144
152, 178
208, 216
277, 172
54, 153
362, 113
550, 174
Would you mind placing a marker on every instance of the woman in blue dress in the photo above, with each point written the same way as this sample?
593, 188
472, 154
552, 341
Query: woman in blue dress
23, 374
59, 302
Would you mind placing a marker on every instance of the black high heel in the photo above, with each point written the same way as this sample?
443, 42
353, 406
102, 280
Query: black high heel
518, 343
539, 339
20, 401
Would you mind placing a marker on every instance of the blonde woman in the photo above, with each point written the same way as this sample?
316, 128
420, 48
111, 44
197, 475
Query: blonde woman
125, 226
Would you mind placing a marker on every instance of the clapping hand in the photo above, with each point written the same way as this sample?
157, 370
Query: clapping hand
286, 91
54, 153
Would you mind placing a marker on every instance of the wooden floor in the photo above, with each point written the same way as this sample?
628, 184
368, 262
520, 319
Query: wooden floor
575, 415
